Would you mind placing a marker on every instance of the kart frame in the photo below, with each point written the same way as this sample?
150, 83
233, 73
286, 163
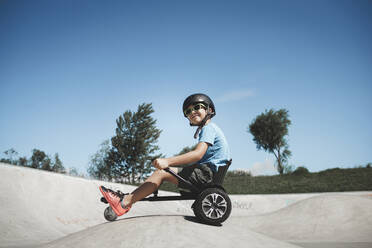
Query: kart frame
194, 191
212, 204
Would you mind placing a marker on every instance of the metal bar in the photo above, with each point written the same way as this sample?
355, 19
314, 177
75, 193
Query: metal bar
190, 185
168, 198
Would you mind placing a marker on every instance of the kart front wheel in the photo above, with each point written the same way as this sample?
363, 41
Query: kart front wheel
110, 214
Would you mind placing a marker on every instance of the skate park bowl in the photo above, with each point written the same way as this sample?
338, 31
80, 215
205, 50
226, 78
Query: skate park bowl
45, 209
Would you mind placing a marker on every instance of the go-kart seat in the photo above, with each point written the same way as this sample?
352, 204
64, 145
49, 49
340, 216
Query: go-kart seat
218, 179
221, 173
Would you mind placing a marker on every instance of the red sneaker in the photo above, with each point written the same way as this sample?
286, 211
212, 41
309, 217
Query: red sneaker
114, 200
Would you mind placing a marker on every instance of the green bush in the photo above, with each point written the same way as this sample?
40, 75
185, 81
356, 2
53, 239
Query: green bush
300, 171
302, 181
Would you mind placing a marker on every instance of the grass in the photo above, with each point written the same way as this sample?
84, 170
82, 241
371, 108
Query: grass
331, 180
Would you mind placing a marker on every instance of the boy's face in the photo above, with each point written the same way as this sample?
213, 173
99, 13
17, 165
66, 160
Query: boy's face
197, 114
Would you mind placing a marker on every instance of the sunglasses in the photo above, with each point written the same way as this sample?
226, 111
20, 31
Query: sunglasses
196, 107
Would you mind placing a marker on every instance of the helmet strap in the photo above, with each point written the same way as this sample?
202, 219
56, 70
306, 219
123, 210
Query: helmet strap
206, 118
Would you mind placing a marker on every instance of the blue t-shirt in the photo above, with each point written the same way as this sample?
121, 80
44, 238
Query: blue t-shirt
218, 152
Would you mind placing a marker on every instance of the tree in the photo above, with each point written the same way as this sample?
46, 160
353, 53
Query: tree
40, 160
187, 149
37, 158
134, 145
58, 166
73, 172
98, 168
46, 164
5, 160
300, 171
22, 161
269, 130
11, 155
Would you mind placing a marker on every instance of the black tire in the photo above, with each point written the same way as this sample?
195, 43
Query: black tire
213, 206
110, 214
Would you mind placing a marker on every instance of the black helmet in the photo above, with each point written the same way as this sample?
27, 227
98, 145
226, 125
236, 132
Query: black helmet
199, 98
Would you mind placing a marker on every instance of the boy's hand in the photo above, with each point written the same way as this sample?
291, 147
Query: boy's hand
160, 163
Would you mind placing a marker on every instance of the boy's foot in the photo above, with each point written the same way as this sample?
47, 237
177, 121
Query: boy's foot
114, 200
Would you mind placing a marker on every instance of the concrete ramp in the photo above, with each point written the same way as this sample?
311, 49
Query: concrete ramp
166, 231
324, 218
39, 206
43, 208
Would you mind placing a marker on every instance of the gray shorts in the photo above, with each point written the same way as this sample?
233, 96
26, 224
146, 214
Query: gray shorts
197, 174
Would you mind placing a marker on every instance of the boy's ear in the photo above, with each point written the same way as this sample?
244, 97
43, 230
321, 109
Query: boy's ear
210, 110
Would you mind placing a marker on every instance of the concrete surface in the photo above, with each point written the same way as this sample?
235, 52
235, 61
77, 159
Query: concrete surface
324, 218
52, 210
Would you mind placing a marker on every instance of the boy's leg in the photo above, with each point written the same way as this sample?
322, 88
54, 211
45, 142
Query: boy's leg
149, 186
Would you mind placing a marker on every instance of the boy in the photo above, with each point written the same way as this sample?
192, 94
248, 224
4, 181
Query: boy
211, 152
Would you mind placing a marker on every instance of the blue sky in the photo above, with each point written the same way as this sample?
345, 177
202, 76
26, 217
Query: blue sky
68, 69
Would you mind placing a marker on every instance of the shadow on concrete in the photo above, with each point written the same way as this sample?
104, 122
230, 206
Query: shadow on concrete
196, 220
187, 218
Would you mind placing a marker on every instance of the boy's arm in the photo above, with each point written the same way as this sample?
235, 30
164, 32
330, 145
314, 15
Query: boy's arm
187, 158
